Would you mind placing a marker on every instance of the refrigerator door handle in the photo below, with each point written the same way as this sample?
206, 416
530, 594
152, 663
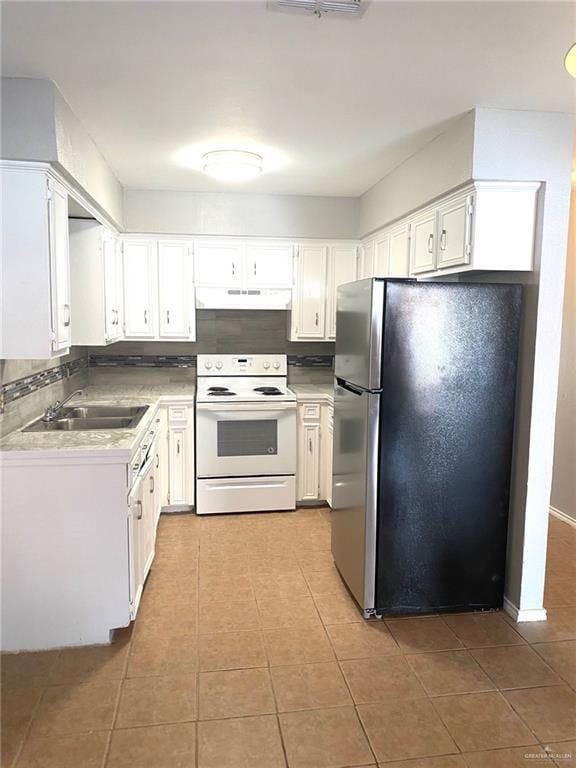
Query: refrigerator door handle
355, 389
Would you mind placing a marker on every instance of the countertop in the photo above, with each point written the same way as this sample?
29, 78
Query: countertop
313, 392
123, 441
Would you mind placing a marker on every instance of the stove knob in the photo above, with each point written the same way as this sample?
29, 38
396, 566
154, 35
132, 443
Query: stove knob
218, 364
208, 364
276, 365
265, 365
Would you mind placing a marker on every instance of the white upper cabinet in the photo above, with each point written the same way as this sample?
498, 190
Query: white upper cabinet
342, 268
158, 289
112, 257
268, 265
399, 254
60, 272
309, 293
140, 288
36, 317
218, 263
96, 283
423, 242
381, 255
454, 232
489, 226
366, 266
175, 290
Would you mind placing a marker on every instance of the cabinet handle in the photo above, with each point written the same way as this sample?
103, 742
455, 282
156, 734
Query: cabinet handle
139, 514
254, 269
67, 321
168, 316
317, 320
310, 444
157, 461
443, 240
233, 269
145, 317
152, 484
178, 448
430, 243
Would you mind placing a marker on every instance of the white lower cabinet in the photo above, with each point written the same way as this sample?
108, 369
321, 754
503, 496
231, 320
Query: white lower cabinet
181, 455
314, 446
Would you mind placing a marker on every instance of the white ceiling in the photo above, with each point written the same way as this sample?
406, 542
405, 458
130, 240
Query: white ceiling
333, 103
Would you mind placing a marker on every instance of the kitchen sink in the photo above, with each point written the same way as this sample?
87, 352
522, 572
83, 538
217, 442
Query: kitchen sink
91, 417
103, 411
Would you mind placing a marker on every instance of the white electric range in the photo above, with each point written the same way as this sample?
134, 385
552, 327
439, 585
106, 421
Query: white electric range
245, 435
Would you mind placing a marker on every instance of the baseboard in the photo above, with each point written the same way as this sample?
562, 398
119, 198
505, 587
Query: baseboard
171, 509
562, 516
529, 614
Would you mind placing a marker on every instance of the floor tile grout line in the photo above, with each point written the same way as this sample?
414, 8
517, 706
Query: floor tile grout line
28, 729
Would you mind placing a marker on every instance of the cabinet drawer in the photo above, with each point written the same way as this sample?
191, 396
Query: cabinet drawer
310, 412
177, 413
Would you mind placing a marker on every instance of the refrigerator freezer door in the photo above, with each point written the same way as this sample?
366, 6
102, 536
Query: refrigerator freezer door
355, 466
359, 314
446, 426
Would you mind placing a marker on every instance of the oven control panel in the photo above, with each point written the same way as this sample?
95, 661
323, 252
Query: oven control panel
242, 365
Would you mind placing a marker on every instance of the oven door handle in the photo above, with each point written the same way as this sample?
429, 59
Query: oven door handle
254, 407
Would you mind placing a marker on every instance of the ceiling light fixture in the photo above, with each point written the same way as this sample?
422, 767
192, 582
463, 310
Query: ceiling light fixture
234, 165
570, 61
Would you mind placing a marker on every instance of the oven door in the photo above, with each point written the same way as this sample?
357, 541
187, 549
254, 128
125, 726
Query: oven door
243, 439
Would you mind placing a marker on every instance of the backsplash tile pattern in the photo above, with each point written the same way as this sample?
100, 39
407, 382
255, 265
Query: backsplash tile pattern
27, 385
189, 361
143, 361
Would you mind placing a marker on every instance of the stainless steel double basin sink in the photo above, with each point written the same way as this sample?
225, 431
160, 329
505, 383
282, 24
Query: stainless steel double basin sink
91, 417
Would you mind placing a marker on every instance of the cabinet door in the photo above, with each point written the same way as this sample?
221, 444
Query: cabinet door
423, 242
309, 298
112, 286
149, 503
366, 260
163, 460
269, 265
59, 266
342, 267
218, 263
136, 552
140, 276
177, 439
454, 219
175, 290
326, 438
399, 263
381, 255
309, 462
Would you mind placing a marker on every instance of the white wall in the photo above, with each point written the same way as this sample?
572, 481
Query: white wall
38, 124
564, 478
444, 163
240, 214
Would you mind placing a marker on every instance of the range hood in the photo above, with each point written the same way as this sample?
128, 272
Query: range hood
235, 298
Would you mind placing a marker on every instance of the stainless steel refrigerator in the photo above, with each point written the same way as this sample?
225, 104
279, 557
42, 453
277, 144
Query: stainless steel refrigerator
423, 436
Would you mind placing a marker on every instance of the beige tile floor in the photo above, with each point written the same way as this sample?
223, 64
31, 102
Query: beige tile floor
249, 653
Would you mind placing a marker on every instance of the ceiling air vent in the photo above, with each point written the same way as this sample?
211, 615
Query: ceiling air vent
319, 7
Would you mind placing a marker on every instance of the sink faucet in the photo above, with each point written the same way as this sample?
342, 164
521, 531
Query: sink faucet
53, 410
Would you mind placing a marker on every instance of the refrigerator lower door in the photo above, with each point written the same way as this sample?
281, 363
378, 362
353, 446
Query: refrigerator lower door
354, 490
